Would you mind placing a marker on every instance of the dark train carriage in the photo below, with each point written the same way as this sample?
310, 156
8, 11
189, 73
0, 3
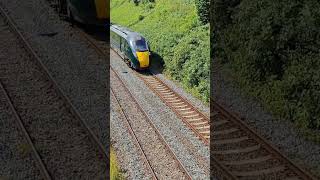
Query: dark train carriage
92, 12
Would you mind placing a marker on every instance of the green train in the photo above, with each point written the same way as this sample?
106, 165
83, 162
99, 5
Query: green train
91, 12
132, 46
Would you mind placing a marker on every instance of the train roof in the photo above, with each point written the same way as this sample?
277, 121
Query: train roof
125, 32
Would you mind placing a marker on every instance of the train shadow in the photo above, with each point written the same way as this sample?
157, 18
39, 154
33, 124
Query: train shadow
100, 33
156, 65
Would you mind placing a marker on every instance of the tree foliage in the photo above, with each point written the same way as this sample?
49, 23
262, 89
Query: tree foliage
273, 48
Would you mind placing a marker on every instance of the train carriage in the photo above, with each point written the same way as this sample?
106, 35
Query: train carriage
92, 12
132, 46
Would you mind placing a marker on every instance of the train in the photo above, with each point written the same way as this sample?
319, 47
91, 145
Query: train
131, 46
88, 12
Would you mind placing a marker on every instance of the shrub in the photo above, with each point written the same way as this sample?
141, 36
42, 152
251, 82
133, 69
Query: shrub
141, 17
191, 62
272, 49
203, 7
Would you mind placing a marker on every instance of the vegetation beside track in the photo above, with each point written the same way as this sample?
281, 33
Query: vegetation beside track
115, 173
271, 50
175, 34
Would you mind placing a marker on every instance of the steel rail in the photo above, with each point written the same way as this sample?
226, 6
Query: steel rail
133, 134
153, 126
193, 128
43, 168
176, 110
73, 110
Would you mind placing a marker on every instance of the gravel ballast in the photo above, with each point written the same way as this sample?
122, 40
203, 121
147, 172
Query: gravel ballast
15, 152
64, 145
124, 146
163, 163
76, 67
171, 127
179, 89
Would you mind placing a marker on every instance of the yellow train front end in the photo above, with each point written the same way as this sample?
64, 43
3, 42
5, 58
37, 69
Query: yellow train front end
141, 50
144, 59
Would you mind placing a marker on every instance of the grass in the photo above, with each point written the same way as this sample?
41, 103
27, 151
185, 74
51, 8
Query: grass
175, 33
115, 172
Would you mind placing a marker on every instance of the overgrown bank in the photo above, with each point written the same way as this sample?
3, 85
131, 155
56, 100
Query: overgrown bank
272, 49
174, 32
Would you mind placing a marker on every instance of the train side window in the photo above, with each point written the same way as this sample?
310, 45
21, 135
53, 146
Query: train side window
126, 46
121, 44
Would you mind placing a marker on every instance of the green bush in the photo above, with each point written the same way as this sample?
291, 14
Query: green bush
190, 63
141, 17
272, 49
203, 7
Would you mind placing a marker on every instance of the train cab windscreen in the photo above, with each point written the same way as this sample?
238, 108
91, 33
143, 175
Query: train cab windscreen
141, 45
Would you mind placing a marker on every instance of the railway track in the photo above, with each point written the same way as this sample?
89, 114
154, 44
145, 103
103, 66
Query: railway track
243, 154
190, 115
37, 168
162, 161
134, 136
103, 49
65, 145
237, 151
